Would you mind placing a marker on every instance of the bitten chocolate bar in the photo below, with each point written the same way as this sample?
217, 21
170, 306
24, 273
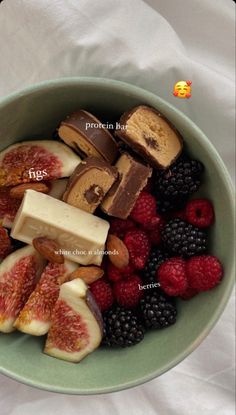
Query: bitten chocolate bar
89, 184
86, 135
122, 196
151, 135
80, 235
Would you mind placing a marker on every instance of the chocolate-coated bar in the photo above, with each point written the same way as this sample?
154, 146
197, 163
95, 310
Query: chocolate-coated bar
122, 196
86, 134
151, 135
89, 184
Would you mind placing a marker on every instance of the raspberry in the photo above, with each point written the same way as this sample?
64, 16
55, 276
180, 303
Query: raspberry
138, 246
119, 227
127, 292
113, 273
144, 209
200, 213
204, 272
5, 243
127, 271
189, 293
155, 236
154, 228
116, 274
172, 276
102, 293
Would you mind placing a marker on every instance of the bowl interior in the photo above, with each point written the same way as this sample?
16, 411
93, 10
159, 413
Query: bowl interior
35, 113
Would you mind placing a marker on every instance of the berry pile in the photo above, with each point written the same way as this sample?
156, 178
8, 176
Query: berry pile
166, 238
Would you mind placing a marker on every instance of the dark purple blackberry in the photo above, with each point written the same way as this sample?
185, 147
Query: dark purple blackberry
122, 327
157, 310
156, 257
182, 238
179, 181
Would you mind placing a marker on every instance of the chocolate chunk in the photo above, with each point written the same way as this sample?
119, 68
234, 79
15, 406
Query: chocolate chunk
87, 136
151, 135
89, 184
94, 194
122, 196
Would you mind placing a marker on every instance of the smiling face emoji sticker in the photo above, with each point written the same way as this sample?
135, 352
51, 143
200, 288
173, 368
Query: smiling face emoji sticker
182, 89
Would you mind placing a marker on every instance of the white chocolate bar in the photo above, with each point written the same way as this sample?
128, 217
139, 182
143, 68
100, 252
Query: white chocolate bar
80, 235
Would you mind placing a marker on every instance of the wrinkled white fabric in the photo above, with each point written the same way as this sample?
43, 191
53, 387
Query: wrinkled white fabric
152, 44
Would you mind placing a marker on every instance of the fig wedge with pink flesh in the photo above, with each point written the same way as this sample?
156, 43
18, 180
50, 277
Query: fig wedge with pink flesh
35, 317
33, 161
76, 328
19, 273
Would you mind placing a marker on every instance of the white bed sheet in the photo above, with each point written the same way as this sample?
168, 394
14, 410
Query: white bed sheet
153, 44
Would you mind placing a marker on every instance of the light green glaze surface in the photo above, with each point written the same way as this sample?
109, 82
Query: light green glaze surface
34, 113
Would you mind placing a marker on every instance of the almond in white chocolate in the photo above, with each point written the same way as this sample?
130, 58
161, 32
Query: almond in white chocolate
151, 135
80, 235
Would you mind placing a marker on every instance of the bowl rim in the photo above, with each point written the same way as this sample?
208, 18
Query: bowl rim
120, 86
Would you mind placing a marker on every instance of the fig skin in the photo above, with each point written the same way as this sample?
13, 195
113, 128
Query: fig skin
75, 331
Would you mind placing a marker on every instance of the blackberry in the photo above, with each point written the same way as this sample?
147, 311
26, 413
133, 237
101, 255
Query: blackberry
121, 327
182, 238
180, 180
157, 310
156, 257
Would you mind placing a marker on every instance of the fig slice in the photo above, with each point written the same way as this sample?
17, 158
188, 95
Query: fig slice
35, 317
76, 328
5, 243
8, 207
19, 273
32, 161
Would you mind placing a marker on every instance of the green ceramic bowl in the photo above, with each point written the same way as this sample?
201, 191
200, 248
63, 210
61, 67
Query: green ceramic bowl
35, 112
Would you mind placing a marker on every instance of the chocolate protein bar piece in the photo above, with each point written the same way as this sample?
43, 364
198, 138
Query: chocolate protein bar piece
86, 135
151, 135
122, 196
89, 184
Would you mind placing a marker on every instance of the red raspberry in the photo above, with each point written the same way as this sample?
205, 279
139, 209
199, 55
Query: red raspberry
5, 243
154, 223
189, 293
172, 276
113, 273
127, 271
204, 272
102, 293
119, 227
138, 246
127, 292
144, 209
116, 274
200, 213
154, 229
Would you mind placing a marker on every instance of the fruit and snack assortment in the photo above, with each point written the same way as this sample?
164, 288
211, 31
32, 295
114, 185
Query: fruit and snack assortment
101, 235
